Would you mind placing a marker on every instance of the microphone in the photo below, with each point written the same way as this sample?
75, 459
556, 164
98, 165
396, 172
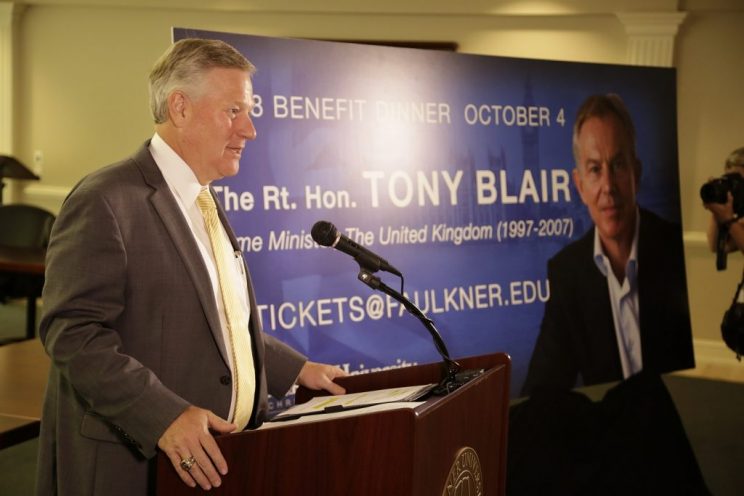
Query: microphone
325, 234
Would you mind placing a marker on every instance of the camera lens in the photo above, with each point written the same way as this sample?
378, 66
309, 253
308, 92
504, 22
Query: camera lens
714, 191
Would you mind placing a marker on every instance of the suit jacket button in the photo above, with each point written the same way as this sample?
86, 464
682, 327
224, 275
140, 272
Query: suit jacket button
225, 380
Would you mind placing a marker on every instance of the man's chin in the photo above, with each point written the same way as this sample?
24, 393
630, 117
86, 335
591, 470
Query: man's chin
230, 169
614, 230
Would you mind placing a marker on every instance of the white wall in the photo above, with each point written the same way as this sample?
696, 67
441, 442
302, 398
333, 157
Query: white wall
710, 95
81, 95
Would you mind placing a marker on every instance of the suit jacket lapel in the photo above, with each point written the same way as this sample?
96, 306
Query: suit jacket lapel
170, 213
601, 337
254, 321
254, 326
650, 255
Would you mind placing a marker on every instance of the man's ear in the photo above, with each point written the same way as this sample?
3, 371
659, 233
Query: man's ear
178, 104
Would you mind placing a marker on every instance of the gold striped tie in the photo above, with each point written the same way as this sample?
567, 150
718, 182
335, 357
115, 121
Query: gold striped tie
244, 374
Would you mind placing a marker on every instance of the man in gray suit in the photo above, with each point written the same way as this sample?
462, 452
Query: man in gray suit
134, 319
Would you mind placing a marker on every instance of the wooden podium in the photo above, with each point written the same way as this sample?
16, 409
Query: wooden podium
450, 445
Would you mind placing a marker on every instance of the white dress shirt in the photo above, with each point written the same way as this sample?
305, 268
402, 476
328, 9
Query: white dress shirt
624, 302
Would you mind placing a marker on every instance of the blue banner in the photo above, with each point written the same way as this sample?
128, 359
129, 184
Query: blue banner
455, 168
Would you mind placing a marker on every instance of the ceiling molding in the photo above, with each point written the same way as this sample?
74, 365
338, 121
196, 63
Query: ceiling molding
517, 8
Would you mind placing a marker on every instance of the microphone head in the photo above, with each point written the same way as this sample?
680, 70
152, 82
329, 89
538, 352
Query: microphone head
324, 233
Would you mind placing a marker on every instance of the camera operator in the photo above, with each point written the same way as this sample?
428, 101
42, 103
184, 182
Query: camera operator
724, 215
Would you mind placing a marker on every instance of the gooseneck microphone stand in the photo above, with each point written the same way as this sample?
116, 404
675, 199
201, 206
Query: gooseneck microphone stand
453, 377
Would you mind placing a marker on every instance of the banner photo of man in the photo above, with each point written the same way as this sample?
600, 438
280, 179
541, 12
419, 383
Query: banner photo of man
529, 205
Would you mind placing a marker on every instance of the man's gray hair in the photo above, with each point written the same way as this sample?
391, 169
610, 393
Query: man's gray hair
182, 67
602, 106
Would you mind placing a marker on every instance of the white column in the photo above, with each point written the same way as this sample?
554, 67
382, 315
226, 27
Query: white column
9, 15
651, 37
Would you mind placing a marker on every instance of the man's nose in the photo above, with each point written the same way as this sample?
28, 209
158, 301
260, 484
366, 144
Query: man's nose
608, 179
248, 130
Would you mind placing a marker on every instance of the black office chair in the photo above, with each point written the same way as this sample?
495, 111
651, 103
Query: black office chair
24, 226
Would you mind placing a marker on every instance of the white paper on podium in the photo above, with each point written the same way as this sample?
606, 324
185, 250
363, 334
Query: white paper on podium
399, 405
323, 407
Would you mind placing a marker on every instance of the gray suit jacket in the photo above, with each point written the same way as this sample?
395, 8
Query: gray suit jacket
132, 329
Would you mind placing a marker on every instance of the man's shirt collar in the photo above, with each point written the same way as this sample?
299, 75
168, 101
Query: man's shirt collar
631, 267
176, 171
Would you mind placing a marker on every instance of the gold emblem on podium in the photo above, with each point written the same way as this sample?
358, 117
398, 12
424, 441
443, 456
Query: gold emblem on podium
465, 477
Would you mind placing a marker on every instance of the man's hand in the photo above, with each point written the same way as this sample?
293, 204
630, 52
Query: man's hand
722, 212
189, 436
320, 376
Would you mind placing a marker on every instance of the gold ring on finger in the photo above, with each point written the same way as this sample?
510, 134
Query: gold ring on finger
187, 463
